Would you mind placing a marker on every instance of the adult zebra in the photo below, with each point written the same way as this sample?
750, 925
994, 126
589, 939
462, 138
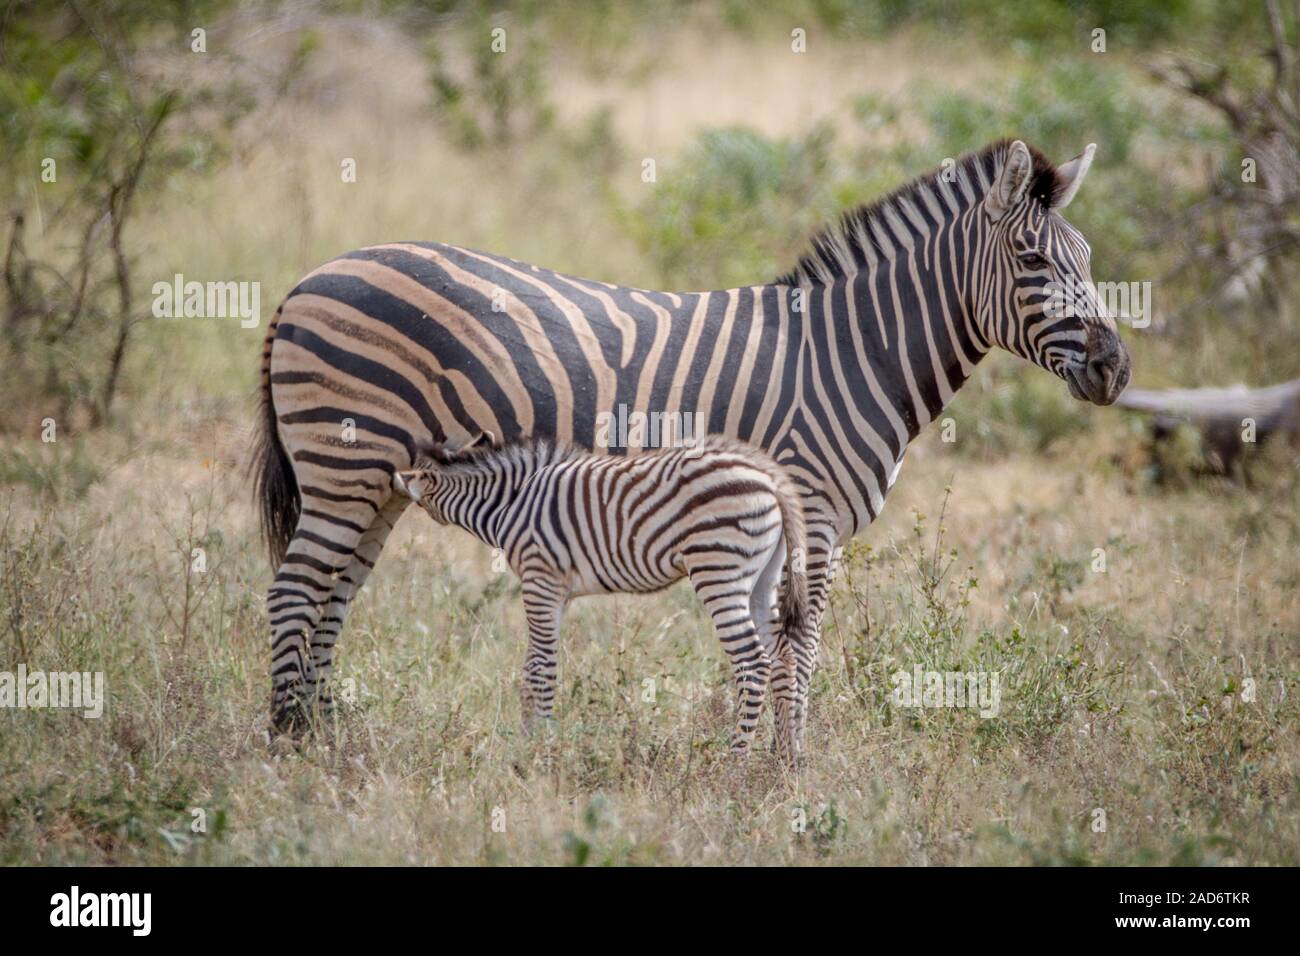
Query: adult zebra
833, 369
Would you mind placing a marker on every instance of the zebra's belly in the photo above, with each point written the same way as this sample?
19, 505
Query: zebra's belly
893, 474
585, 578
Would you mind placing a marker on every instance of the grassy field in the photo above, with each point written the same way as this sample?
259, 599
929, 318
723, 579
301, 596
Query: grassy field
1149, 710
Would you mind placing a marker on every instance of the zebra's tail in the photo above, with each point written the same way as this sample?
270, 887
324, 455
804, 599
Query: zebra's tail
794, 600
275, 489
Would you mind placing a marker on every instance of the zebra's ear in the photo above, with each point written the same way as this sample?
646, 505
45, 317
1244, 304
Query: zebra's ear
1069, 177
481, 442
1012, 181
410, 483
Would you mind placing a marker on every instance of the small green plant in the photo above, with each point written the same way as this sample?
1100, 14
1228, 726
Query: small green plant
57, 470
489, 89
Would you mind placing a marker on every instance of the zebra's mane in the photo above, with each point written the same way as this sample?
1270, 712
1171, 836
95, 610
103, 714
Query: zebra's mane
837, 251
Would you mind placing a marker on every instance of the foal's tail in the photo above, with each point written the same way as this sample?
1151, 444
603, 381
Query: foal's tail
794, 600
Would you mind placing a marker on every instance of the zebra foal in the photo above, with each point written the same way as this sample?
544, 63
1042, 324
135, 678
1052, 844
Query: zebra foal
569, 523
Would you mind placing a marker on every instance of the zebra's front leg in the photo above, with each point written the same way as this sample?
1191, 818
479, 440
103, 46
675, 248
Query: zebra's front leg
544, 601
823, 562
764, 609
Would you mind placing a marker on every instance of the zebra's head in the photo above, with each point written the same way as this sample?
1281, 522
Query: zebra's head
1037, 298
433, 467
420, 484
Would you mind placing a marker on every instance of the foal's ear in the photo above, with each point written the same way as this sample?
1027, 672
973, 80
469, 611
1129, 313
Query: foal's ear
480, 442
413, 483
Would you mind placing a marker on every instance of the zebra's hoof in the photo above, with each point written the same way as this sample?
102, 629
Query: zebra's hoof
290, 719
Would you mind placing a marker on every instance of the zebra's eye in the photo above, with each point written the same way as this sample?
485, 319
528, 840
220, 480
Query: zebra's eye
1032, 260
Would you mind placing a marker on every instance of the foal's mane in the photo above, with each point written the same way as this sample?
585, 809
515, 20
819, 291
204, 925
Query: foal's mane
479, 458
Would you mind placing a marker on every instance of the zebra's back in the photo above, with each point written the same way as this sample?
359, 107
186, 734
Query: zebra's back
638, 524
450, 341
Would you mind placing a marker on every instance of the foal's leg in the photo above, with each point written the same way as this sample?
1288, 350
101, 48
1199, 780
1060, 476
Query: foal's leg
544, 601
724, 585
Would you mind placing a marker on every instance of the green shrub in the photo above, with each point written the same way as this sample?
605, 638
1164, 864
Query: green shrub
735, 207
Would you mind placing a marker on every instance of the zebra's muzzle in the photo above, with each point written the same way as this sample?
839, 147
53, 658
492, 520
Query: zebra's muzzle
1104, 375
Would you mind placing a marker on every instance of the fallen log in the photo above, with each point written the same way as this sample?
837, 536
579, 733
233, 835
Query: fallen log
1227, 418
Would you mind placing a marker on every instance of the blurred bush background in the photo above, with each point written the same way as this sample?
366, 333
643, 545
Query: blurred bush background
206, 139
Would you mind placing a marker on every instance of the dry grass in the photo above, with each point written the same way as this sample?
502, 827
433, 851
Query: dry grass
1122, 690
1137, 710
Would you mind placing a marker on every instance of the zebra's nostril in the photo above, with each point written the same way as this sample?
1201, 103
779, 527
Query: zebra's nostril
1099, 370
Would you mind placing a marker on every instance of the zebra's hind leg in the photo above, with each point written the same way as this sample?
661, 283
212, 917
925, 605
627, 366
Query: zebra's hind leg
319, 553
364, 558
725, 593
544, 601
